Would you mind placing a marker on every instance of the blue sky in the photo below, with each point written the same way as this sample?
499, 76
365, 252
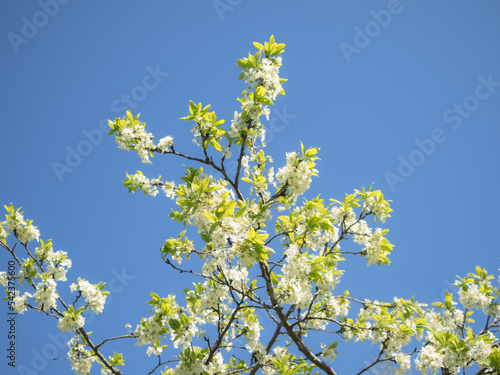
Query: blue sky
404, 94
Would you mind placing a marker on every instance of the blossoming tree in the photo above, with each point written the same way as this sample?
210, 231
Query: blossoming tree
257, 273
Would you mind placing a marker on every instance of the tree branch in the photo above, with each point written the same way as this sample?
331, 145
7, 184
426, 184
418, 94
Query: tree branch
271, 343
284, 320
98, 353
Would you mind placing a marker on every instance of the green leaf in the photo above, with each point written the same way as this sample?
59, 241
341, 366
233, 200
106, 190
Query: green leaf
174, 324
260, 91
155, 299
280, 48
193, 108
240, 212
251, 59
210, 216
258, 46
448, 300
494, 359
117, 359
242, 63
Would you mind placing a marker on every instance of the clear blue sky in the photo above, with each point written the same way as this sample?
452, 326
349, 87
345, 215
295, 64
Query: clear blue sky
404, 94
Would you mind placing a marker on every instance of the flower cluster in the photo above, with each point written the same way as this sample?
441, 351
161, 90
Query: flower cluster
131, 135
328, 352
207, 129
46, 293
71, 320
193, 361
379, 208
261, 73
94, 295
377, 246
266, 75
477, 292
447, 351
56, 263
47, 265
472, 298
3, 232
296, 175
201, 195
342, 214
238, 126
256, 173
168, 318
149, 332
404, 362
252, 328
3, 278
312, 225
20, 302
81, 359
29, 270
247, 123
165, 144
392, 325
295, 287
430, 359
148, 186
51, 267
14, 222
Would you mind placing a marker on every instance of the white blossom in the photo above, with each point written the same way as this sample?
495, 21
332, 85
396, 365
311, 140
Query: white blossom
429, 358
297, 174
266, 75
58, 265
94, 297
20, 302
373, 249
71, 321
81, 359
149, 331
227, 153
3, 278
165, 143
340, 214
3, 232
404, 362
46, 294
328, 352
473, 298
480, 351
28, 233
14, 221
133, 136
